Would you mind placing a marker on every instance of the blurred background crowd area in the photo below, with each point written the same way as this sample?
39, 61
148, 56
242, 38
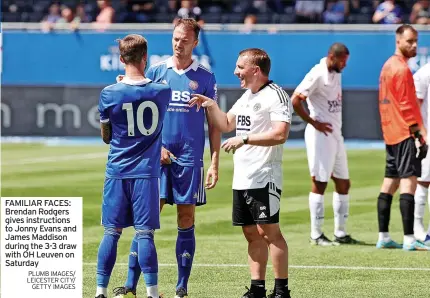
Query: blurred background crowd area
70, 14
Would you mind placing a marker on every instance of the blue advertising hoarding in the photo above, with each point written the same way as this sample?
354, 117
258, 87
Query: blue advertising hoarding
92, 59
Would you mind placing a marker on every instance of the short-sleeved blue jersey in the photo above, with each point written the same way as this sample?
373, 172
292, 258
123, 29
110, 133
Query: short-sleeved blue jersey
183, 127
136, 111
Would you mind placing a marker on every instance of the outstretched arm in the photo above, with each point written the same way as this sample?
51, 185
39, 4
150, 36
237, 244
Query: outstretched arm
224, 122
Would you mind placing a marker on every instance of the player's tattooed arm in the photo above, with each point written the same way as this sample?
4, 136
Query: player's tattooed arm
106, 132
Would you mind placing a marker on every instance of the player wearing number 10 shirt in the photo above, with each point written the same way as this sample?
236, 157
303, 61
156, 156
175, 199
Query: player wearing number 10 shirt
131, 115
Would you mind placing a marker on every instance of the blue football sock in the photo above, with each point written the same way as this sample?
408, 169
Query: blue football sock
185, 248
107, 256
147, 256
133, 267
151, 279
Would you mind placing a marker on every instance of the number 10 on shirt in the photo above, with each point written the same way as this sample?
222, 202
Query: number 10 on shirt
139, 115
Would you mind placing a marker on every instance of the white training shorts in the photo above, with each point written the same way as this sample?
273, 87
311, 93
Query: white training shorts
425, 169
326, 155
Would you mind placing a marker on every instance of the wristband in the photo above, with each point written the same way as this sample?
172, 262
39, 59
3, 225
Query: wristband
245, 139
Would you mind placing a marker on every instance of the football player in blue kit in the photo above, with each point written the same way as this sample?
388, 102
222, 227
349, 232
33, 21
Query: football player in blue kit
131, 115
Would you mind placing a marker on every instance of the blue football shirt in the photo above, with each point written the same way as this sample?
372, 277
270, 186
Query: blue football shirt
136, 111
183, 127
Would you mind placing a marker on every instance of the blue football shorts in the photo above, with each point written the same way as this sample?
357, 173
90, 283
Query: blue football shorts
131, 202
182, 185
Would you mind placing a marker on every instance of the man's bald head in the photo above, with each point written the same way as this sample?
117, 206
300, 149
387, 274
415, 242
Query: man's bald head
338, 49
337, 57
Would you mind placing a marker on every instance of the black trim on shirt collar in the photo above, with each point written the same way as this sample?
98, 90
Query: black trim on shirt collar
265, 85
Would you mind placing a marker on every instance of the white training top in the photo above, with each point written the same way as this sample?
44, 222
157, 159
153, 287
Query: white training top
422, 85
323, 90
255, 166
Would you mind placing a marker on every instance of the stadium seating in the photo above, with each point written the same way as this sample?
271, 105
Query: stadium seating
234, 11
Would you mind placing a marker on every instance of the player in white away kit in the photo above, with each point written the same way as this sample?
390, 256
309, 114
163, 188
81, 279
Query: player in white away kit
262, 118
322, 90
422, 85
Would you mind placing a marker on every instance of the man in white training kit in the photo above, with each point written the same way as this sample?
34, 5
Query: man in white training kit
322, 90
422, 85
261, 118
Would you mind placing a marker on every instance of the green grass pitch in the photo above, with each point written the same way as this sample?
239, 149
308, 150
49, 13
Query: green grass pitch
220, 263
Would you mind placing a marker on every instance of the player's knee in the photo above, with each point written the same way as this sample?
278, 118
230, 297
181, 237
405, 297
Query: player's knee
251, 233
276, 238
115, 232
343, 187
142, 234
390, 185
185, 221
318, 187
272, 234
408, 185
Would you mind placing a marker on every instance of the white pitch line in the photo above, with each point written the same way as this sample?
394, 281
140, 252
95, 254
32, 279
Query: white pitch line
87, 156
56, 158
291, 266
359, 268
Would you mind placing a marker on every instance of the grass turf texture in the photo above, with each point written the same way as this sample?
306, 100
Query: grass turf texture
36, 170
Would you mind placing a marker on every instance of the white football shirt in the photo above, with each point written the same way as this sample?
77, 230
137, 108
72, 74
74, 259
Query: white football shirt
255, 166
323, 90
422, 85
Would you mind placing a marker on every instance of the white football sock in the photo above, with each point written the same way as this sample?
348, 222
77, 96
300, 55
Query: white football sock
152, 291
341, 212
420, 203
384, 236
316, 207
408, 239
101, 291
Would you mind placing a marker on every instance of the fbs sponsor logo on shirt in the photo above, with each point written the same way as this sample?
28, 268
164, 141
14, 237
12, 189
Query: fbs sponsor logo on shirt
243, 121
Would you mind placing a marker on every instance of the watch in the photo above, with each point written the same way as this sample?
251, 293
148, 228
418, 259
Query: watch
245, 139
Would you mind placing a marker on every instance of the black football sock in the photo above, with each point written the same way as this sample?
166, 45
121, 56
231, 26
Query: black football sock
258, 287
281, 286
384, 211
407, 205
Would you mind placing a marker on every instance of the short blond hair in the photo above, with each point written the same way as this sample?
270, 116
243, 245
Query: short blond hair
133, 48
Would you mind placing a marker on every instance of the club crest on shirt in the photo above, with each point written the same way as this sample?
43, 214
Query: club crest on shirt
257, 107
194, 85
